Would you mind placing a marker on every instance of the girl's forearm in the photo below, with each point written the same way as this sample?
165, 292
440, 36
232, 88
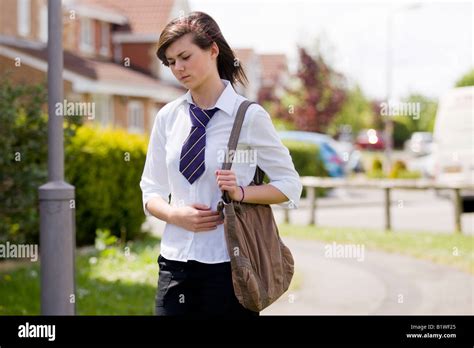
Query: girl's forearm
160, 209
263, 194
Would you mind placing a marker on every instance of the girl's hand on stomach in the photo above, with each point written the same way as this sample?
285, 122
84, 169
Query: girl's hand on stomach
196, 218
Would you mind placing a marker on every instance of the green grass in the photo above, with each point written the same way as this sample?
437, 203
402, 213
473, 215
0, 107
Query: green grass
455, 250
114, 281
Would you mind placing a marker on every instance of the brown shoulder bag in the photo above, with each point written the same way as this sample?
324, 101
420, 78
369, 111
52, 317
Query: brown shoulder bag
262, 266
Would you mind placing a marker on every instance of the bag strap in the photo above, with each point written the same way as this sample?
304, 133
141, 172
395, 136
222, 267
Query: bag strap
232, 144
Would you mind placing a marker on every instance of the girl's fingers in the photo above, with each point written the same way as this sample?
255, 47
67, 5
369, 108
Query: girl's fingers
210, 219
225, 178
227, 188
224, 172
206, 227
227, 183
205, 213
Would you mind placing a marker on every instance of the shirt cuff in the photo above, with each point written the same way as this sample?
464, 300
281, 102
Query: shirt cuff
292, 190
149, 196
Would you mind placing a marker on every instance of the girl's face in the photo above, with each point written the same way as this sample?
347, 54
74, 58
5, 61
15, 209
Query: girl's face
190, 64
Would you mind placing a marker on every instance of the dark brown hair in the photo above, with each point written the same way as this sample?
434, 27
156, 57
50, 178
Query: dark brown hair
205, 31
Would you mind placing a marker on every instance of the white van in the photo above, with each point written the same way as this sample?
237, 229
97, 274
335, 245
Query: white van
453, 136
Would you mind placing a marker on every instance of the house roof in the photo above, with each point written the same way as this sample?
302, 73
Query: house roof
102, 76
244, 54
97, 11
144, 16
273, 65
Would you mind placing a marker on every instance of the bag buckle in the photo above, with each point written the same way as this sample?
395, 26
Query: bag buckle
220, 209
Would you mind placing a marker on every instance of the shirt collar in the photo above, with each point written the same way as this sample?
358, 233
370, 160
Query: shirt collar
226, 101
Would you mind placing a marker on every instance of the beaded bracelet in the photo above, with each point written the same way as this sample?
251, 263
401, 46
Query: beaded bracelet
243, 194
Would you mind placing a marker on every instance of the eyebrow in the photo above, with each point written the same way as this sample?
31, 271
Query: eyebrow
179, 55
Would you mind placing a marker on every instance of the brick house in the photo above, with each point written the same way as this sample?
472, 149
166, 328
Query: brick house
109, 54
274, 76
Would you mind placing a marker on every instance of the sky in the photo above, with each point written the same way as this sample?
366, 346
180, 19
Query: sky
431, 42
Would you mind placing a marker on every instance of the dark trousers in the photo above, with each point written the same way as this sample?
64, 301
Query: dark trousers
196, 289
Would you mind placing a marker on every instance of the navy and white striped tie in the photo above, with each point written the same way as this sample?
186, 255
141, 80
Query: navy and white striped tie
191, 163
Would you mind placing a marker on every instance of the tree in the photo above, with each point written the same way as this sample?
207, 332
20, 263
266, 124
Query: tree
425, 121
317, 98
356, 111
466, 80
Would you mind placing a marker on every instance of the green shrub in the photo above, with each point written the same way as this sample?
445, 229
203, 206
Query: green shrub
399, 171
401, 133
105, 166
23, 158
397, 167
466, 80
377, 164
306, 160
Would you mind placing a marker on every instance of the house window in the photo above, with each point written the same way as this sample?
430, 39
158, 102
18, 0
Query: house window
104, 114
104, 39
87, 36
117, 53
24, 17
43, 20
136, 120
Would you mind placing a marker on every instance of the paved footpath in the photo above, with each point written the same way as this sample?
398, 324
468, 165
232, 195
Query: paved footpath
382, 283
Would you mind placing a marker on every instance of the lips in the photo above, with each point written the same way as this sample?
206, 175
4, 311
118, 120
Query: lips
184, 77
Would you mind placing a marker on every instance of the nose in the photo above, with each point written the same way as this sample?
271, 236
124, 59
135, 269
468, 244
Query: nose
178, 66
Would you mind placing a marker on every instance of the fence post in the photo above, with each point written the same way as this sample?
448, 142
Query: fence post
388, 221
286, 217
311, 191
457, 210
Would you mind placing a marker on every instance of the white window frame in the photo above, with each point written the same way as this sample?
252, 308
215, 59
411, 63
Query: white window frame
87, 35
135, 117
104, 38
24, 17
117, 53
104, 110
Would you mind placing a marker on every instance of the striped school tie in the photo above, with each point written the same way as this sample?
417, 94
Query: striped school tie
191, 163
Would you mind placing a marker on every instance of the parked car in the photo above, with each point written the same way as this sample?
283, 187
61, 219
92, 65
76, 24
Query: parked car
453, 141
420, 144
370, 139
332, 160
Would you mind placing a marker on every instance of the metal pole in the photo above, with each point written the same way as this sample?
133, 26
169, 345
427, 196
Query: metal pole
388, 132
56, 197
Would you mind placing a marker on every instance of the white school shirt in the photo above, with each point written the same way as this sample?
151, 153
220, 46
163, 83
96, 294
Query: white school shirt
259, 144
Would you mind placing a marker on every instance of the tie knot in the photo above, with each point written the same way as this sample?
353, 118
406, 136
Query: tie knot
201, 117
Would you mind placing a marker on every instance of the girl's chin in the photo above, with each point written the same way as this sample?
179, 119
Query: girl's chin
186, 83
